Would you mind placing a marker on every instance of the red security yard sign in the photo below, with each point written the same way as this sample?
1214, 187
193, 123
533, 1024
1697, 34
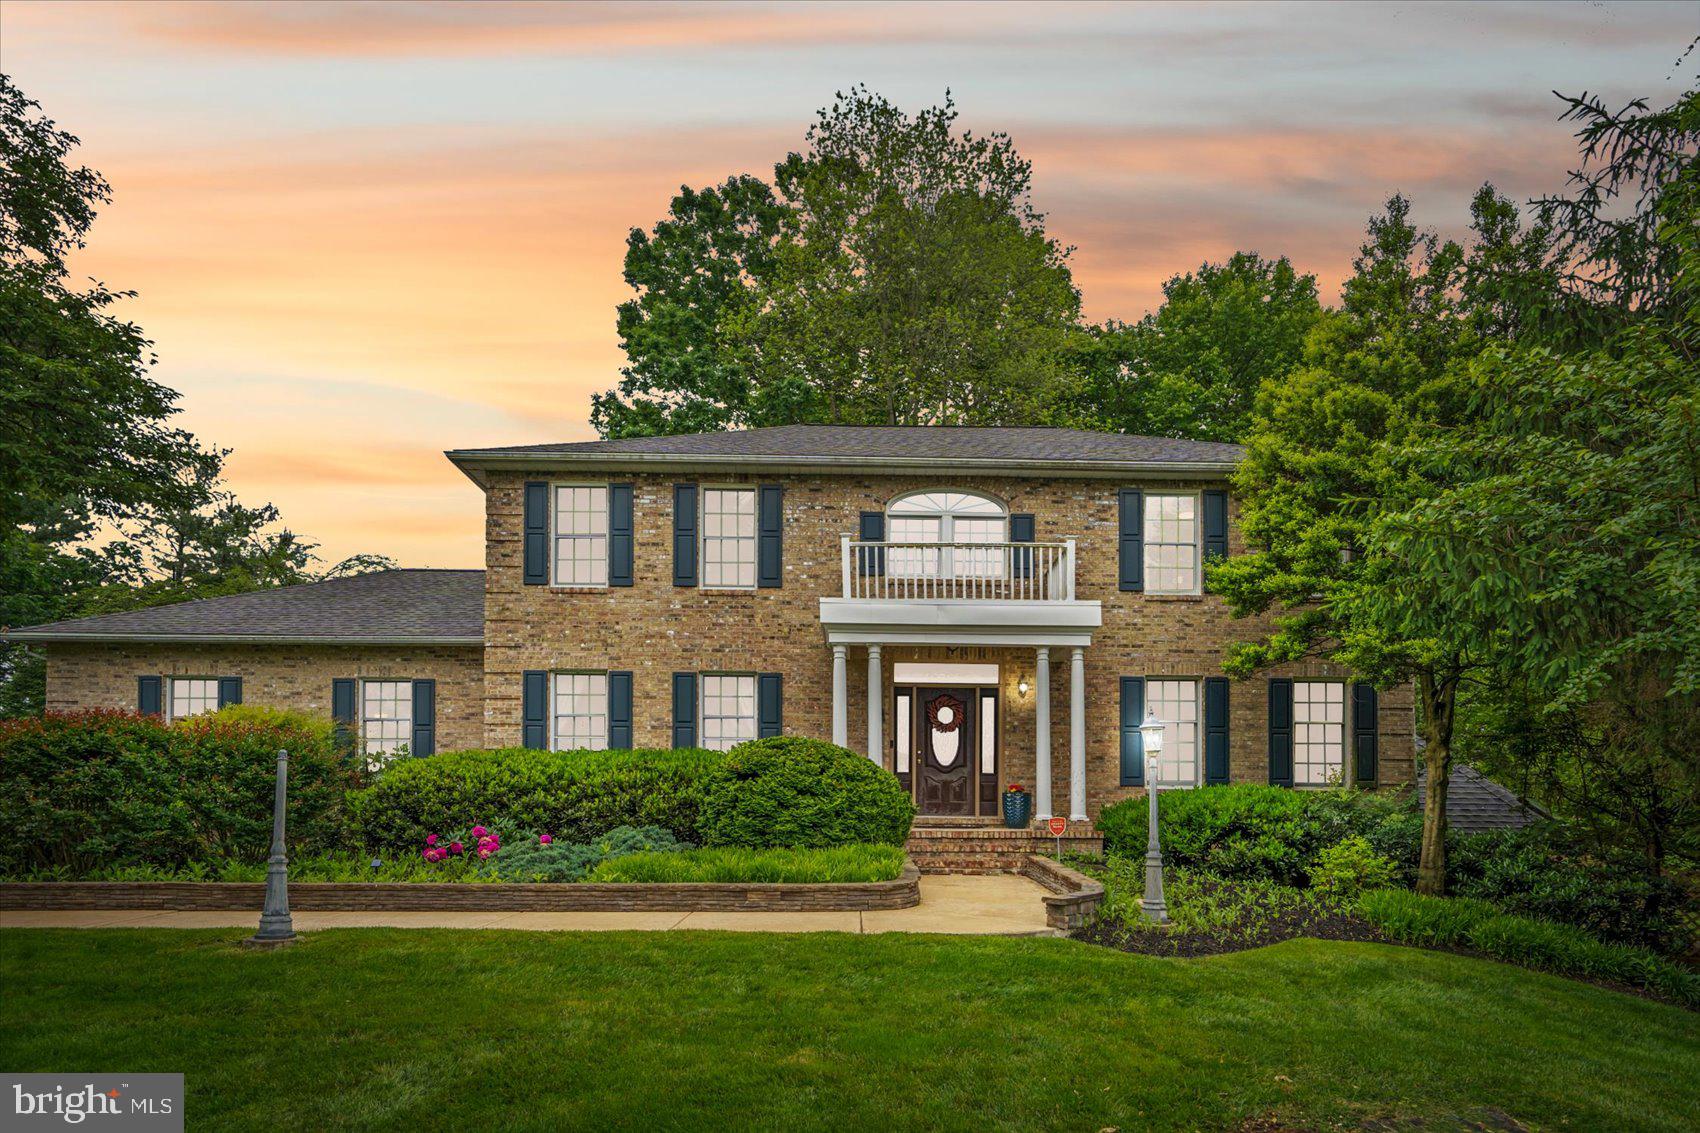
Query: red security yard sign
1058, 826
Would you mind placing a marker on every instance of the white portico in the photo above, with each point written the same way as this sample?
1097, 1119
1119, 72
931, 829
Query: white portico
944, 590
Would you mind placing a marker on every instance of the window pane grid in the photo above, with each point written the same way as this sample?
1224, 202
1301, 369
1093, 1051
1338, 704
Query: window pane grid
191, 696
1176, 705
728, 710
386, 718
581, 535
581, 711
729, 537
1171, 543
1319, 732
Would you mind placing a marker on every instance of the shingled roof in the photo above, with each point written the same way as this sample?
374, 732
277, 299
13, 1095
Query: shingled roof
1062, 451
401, 607
1475, 803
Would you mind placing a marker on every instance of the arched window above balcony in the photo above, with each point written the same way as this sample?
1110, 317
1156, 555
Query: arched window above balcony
946, 517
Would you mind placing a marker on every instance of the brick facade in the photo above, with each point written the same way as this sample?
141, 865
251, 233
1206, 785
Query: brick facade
278, 676
654, 628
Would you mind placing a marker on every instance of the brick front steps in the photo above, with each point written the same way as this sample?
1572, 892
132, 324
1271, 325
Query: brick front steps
968, 846
319, 896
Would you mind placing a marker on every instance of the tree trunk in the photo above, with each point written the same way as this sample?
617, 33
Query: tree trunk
1439, 701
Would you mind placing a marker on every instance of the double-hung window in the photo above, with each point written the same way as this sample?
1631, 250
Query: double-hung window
581, 535
386, 718
1176, 705
580, 711
1319, 733
1171, 543
728, 710
729, 537
191, 696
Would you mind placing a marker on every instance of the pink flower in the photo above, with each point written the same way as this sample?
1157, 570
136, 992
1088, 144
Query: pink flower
485, 853
430, 839
455, 847
544, 839
479, 832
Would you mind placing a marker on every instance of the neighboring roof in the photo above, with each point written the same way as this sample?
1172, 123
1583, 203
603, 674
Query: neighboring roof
399, 607
879, 447
1475, 803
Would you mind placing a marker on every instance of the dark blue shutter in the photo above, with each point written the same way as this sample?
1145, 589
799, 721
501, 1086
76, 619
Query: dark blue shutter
620, 711
342, 709
1215, 731
619, 535
1364, 733
1133, 744
769, 705
229, 691
534, 709
424, 741
536, 533
1130, 516
1215, 523
684, 710
1021, 531
684, 534
870, 561
770, 538
150, 696
1280, 732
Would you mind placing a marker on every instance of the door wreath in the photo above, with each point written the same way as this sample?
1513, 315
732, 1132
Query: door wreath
945, 714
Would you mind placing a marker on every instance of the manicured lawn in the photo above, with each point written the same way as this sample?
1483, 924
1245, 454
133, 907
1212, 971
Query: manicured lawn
520, 1030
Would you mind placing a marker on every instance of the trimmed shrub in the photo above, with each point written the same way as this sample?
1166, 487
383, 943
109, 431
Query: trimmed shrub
797, 792
1257, 833
1348, 868
527, 859
110, 789
575, 795
772, 866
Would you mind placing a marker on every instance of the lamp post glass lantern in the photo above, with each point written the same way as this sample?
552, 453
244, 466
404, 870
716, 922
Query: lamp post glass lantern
1153, 906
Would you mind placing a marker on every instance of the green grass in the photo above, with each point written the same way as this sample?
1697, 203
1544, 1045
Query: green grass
399, 1029
840, 863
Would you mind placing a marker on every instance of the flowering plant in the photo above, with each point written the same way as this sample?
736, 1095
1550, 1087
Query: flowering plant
1016, 789
484, 841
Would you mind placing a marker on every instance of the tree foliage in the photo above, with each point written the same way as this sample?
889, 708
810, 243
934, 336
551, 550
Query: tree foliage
896, 272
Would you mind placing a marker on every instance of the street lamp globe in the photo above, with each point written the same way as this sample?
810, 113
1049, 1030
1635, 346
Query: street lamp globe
1152, 730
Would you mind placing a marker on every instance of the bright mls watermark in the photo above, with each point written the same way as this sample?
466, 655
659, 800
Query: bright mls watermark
148, 1103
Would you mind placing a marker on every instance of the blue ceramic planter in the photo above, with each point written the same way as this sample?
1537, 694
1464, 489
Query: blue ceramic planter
1017, 809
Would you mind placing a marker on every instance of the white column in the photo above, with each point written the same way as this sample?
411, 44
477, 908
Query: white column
840, 695
876, 714
1077, 736
1042, 736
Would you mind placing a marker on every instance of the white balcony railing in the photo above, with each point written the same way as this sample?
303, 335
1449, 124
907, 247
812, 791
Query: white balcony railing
965, 572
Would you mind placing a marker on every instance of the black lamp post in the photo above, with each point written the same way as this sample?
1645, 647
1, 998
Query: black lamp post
276, 928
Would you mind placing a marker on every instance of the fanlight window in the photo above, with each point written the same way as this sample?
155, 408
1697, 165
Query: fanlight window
949, 518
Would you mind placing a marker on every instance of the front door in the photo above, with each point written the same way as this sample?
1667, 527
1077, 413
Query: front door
947, 750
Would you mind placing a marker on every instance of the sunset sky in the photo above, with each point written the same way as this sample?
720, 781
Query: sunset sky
365, 233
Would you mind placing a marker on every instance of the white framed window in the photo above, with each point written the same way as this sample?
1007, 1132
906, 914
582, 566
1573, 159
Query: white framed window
386, 718
1171, 543
580, 711
945, 517
728, 710
729, 537
191, 696
1176, 704
581, 535
1319, 733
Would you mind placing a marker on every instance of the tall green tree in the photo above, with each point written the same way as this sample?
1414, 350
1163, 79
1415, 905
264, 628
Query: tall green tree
896, 272
1321, 470
1193, 367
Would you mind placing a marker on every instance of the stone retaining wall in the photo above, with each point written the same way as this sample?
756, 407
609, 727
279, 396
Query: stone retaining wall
317, 896
1073, 897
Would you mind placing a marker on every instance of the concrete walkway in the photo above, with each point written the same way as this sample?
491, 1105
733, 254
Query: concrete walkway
995, 905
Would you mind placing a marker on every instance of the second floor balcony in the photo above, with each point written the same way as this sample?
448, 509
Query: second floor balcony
959, 593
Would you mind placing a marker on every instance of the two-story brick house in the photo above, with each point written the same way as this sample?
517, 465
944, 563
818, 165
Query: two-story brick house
970, 606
